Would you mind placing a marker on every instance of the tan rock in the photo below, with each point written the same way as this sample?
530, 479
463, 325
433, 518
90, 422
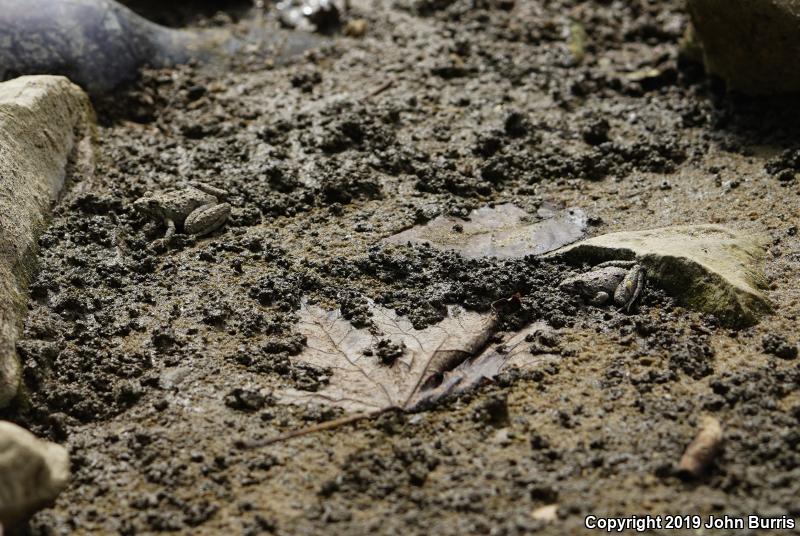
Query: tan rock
32, 473
44, 123
702, 450
548, 513
709, 268
356, 28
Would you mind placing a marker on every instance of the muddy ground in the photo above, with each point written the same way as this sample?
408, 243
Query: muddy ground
154, 364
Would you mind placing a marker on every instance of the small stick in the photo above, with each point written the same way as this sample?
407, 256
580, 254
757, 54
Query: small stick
329, 425
702, 450
380, 89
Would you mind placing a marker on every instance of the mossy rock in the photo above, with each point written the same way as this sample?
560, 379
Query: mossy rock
708, 268
754, 45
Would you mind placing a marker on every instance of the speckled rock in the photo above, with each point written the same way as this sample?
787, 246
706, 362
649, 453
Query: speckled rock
709, 268
32, 473
754, 45
44, 123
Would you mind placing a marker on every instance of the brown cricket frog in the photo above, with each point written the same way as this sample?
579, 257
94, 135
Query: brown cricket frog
623, 281
197, 209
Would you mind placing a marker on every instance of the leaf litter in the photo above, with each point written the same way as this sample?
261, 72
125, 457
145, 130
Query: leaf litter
503, 231
424, 366
390, 365
360, 380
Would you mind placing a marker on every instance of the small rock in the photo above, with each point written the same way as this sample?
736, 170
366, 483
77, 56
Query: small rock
702, 450
310, 15
32, 473
751, 44
502, 437
245, 400
492, 410
305, 80
596, 132
173, 377
548, 513
708, 268
786, 176
388, 352
517, 124
784, 166
779, 346
356, 28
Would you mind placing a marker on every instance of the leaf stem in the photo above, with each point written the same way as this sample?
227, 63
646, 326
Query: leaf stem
321, 427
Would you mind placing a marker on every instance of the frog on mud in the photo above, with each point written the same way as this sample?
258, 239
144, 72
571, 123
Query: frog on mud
622, 280
198, 209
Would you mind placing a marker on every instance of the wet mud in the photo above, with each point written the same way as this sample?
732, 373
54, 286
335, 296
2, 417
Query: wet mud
154, 364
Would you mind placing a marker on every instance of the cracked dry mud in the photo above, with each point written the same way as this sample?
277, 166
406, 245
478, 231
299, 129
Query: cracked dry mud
151, 365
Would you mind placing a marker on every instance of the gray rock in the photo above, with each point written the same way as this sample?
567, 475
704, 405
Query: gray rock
32, 473
45, 121
101, 44
754, 45
708, 268
98, 44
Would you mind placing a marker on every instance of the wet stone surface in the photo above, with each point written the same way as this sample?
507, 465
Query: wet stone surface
151, 364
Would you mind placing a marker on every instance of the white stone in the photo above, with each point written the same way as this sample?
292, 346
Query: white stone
32, 473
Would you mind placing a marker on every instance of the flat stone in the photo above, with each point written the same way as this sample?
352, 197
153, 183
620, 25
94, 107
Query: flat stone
753, 45
32, 473
45, 122
708, 268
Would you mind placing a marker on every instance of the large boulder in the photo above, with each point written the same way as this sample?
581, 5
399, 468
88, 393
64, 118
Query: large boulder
32, 473
45, 122
754, 45
708, 268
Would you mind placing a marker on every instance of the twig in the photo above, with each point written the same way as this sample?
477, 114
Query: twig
380, 89
329, 425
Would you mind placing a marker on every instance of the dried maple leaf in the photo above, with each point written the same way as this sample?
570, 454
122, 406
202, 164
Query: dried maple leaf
500, 231
393, 365
363, 382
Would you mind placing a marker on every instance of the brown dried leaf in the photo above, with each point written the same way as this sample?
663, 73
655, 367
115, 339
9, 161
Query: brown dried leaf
363, 383
499, 231
515, 351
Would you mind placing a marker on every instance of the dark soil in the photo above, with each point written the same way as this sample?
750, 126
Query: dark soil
153, 364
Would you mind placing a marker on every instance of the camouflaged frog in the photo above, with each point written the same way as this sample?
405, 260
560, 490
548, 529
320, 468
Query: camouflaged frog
622, 280
199, 209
